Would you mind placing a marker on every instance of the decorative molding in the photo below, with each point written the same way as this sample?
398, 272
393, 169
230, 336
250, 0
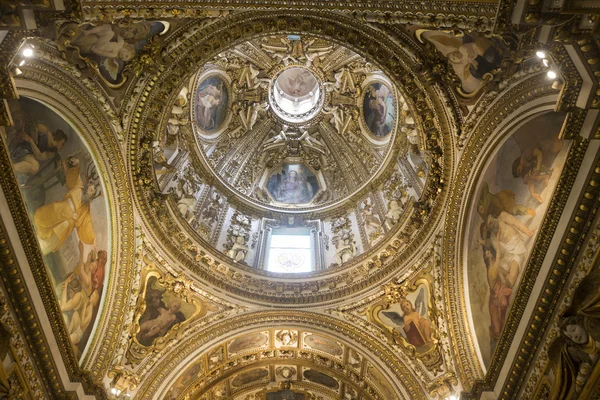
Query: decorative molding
244, 281
277, 319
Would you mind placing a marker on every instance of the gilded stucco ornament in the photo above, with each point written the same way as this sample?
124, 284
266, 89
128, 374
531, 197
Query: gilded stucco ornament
407, 315
166, 305
205, 265
283, 363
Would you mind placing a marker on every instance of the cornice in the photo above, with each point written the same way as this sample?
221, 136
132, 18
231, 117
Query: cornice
474, 12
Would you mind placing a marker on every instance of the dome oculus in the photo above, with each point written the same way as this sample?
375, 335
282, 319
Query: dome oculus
295, 94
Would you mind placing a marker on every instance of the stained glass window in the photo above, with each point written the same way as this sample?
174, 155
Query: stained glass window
290, 253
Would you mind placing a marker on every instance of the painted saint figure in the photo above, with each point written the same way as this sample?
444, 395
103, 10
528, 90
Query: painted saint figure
378, 109
54, 222
294, 189
29, 150
413, 321
209, 99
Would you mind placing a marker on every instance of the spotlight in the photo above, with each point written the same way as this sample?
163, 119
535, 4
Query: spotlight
545, 62
540, 54
17, 71
28, 52
453, 397
551, 74
22, 63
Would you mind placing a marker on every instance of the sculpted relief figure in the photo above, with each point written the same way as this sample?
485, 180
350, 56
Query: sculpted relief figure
238, 235
372, 223
340, 119
249, 116
345, 247
344, 81
238, 250
574, 354
280, 137
178, 118
211, 212
281, 51
188, 184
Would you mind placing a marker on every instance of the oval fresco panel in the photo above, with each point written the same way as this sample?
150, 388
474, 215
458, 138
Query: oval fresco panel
249, 341
250, 376
212, 98
378, 109
63, 192
511, 201
323, 344
321, 378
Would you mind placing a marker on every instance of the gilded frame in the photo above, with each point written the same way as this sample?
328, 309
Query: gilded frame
396, 293
181, 288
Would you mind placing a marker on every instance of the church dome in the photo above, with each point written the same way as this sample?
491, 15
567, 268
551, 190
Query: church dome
291, 133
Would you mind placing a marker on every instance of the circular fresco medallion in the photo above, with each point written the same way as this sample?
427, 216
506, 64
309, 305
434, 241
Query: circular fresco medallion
211, 102
379, 109
296, 95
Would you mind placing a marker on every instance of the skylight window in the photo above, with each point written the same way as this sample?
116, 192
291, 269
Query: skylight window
290, 253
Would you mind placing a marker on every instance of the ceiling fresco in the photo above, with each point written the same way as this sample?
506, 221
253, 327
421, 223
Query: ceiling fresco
254, 200
62, 187
513, 196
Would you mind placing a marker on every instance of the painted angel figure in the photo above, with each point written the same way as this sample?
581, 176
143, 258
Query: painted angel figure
471, 56
413, 321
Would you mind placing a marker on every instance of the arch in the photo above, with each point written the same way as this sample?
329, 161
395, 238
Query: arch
81, 108
516, 105
170, 367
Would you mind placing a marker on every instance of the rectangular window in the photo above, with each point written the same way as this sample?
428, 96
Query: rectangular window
290, 253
